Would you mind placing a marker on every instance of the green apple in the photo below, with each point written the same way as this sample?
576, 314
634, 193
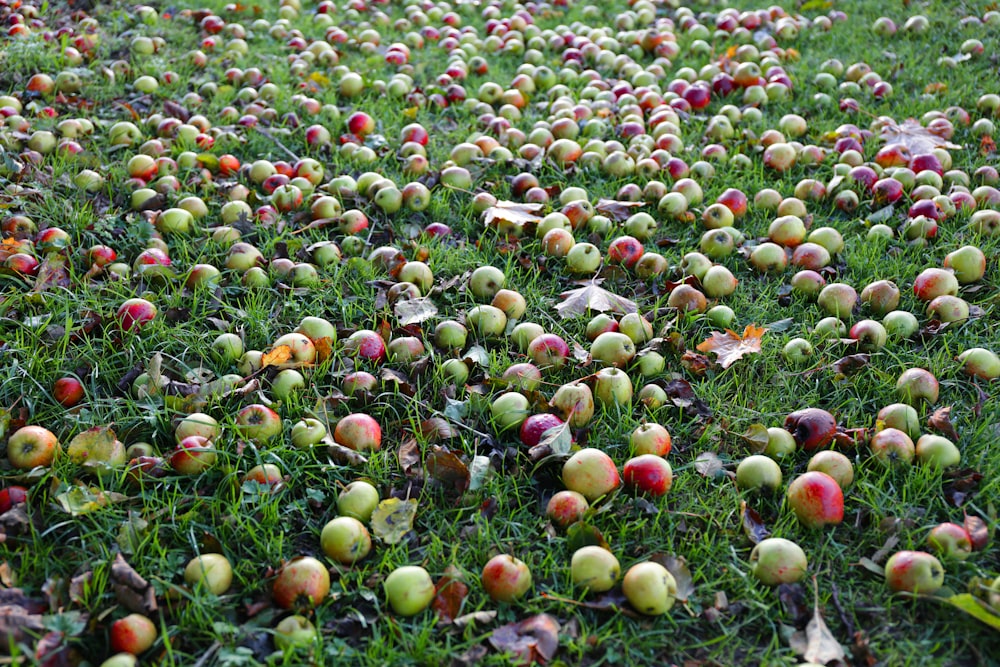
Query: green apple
650, 588
509, 410
212, 571
776, 561
594, 568
409, 590
358, 500
294, 631
345, 540
758, 472
914, 572
307, 432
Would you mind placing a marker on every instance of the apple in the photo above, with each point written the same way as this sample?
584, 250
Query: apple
133, 634
613, 348
121, 660
612, 386
548, 351
787, 230
650, 438
625, 250
834, 464
450, 335
901, 416
520, 377
650, 363
797, 351
524, 333
193, 455
686, 298
68, 391
485, 282
316, 328
780, 443
591, 473
915, 384
813, 428
358, 500
649, 473
636, 327
32, 446
776, 560
758, 472
650, 588
891, 446
210, 571
816, 499
12, 496
487, 321
135, 313
294, 631
594, 569
307, 432
575, 402
968, 263
900, 324
837, 300
533, 428
718, 282
948, 308
346, 540
258, 422
359, 432
881, 297
937, 451
302, 581
869, 334
506, 578
951, 540
509, 410
365, 344
935, 282
980, 362
266, 474
301, 347
409, 590
566, 508
583, 258
914, 572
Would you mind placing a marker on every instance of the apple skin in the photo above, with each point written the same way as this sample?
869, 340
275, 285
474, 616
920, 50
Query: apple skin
121, 660
292, 631
566, 508
303, 580
613, 386
591, 473
535, 426
307, 432
409, 590
780, 443
575, 402
816, 500
505, 578
648, 473
133, 634
366, 344
835, 465
358, 500
345, 540
650, 588
776, 560
914, 572
813, 428
951, 540
892, 447
548, 351
594, 568
758, 472
213, 571
650, 438
901, 416
32, 446
359, 432
509, 410
915, 384
135, 314
197, 423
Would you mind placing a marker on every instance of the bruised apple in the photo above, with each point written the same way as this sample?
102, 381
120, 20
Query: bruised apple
304, 581
565, 508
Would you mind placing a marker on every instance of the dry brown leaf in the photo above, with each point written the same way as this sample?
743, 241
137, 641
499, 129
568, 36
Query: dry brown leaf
617, 210
52, 273
816, 643
941, 421
591, 296
708, 464
915, 137
277, 356
449, 594
512, 213
534, 639
132, 591
409, 457
753, 524
445, 467
731, 346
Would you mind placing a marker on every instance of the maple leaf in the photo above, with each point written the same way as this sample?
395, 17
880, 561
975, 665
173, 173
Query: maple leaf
617, 210
591, 296
730, 346
512, 213
915, 137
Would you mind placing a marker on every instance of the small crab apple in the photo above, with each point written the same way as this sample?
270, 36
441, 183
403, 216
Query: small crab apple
258, 422
135, 313
892, 447
32, 446
914, 572
648, 473
359, 432
758, 472
565, 508
302, 581
625, 250
365, 344
409, 590
133, 634
813, 428
345, 540
68, 391
548, 351
816, 499
776, 560
591, 473
951, 540
980, 362
613, 348
506, 578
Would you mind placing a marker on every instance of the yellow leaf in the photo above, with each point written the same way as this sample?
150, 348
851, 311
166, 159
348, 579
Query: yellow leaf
319, 79
393, 519
277, 356
730, 346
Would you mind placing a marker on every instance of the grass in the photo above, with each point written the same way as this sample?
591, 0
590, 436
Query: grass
158, 527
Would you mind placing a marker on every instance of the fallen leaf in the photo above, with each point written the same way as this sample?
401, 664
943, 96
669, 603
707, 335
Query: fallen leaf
393, 519
592, 297
678, 567
974, 607
682, 395
753, 524
479, 471
475, 618
279, 355
941, 421
449, 594
708, 464
18, 625
52, 273
850, 365
513, 213
344, 456
559, 439
436, 428
534, 639
324, 348
133, 592
409, 457
93, 446
445, 467
757, 437
581, 534
915, 137
414, 311
617, 210
82, 500
731, 346
816, 643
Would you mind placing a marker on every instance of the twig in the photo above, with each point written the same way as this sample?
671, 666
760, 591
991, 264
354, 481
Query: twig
277, 143
208, 654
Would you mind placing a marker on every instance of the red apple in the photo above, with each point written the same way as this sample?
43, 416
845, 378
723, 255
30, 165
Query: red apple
258, 422
135, 313
12, 496
505, 578
565, 508
951, 540
648, 473
133, 634
548, 351
914, 572
892, 446
816, 499
365, 344
303, 581
813, 428
193, 455
591, 473
359, 432
650, 438
68, 391
534, 427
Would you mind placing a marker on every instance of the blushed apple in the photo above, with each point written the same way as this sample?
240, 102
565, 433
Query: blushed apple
776, 560
345, 540
648, 473
258, 422
914, 572
506, 578
566, 508
359, 432
32, 446
951, 540
937, 451
133, 634
650, 438
834, 464
302, 581
892, 447
816, 500
591, 473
